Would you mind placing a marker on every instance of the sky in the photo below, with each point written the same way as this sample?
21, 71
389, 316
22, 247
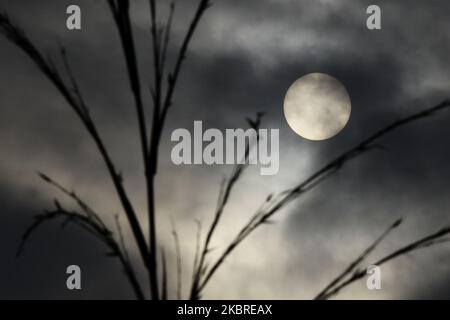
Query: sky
242, 60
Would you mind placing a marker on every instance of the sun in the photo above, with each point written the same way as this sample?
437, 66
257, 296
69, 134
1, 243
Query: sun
317, 106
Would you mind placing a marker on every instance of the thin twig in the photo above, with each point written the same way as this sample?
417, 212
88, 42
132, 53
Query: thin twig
166, 38
122, 239
358, 260
179, 265
151, 162
164, 276
120, 10
99, 230
88, 210
197, 250
203, 5
18, 37
224, 196
274, 204
430, 240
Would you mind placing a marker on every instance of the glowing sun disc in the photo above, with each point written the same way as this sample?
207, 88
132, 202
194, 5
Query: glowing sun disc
317, 106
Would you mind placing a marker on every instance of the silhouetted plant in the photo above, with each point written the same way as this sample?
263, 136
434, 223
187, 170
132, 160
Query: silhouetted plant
162, 91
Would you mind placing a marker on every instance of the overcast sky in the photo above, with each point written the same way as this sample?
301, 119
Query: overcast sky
243, 59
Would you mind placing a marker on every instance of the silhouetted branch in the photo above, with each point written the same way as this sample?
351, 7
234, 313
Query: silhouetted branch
197, 251
178, 255
151, 162
430, 240
164, 276
166, 38
122, 239
203, 5
173, 77
120, 10
76, 90
95, 227
88, 210
18, 37
160, 106
358, 260
274, 203
224, 196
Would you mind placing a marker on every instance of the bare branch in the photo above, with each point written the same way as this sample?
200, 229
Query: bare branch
430, 240
197, 251
358, 260
173, 77
151, 161
166, 38
122, 239
120, 10
203, 5
88, 210
274, 204
93, 227
73, 82
164, 276
224, 195
179, 265
18, 37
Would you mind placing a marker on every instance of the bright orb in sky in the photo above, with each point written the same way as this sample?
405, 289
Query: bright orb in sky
317, 106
